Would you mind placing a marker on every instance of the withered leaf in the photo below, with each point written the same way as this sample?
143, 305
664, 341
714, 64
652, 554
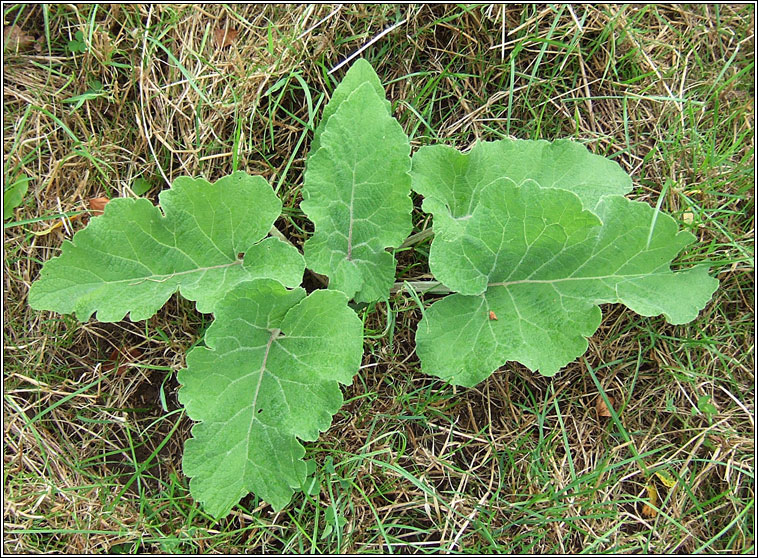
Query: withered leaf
123, 358
666, 478
97, 205
602, 408
16, 39
224, 37
652, 495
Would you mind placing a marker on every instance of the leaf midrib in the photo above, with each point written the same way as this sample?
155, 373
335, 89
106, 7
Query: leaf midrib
351, 220
164, 277
274, 335
564, 279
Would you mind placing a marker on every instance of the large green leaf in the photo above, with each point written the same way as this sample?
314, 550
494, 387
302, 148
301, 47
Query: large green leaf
532, 266
270, 375
356, 192
359, 73
133, 258
444, 175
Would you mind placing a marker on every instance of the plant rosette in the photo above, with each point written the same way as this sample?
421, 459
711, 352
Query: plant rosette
530, 237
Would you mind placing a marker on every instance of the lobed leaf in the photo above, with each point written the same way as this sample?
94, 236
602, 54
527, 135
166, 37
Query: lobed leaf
359, 73
444, 175
356, 191
531, 265
270, 375
133, 258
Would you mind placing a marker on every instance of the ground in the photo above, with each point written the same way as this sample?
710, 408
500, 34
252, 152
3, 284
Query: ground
119, 100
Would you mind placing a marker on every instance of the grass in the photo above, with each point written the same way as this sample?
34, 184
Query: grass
93, 431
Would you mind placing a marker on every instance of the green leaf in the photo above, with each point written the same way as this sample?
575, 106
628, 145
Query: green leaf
95, 91
140, 186
532, 266
269, 376
359, 73
77, 44
356, 193
133, 258
444, 175
14, 194
706, 407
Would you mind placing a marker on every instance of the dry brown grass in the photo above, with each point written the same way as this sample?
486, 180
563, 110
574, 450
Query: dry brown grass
519, 463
